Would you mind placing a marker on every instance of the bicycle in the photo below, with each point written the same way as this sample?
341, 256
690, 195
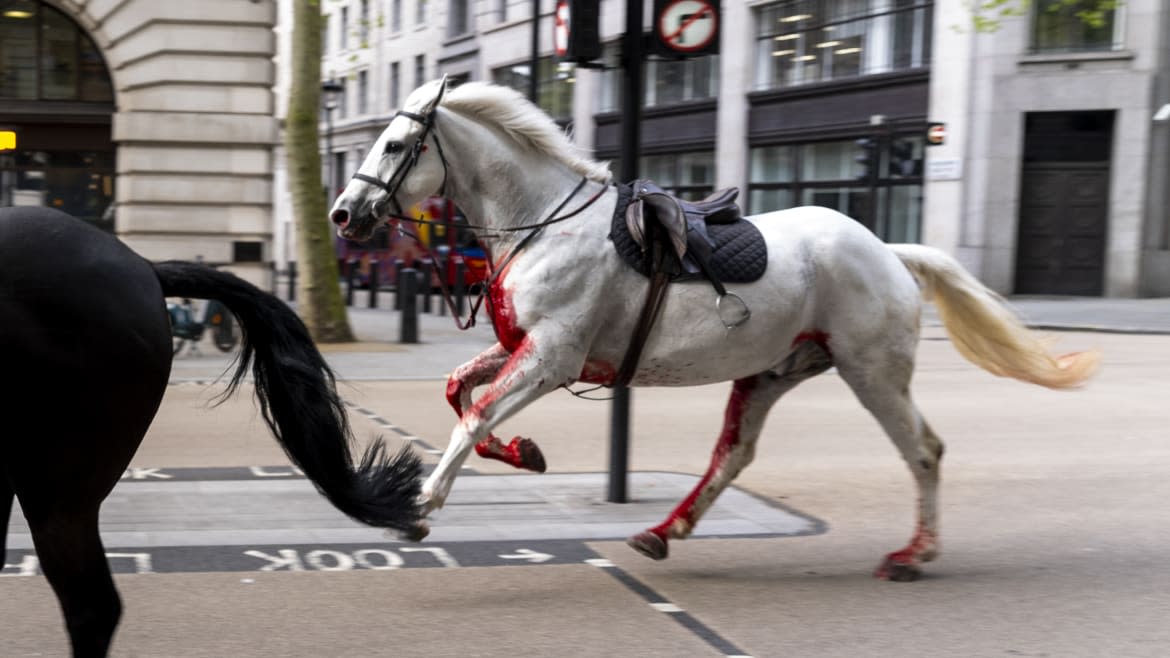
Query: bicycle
185, 328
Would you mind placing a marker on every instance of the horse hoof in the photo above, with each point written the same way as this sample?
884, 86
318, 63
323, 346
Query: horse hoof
415, 533
528, 454
649, 544
898, 571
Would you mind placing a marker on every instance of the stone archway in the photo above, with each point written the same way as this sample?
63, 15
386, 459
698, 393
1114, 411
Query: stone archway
57, 98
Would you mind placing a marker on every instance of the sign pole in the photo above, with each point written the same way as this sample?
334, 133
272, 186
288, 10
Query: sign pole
633, 54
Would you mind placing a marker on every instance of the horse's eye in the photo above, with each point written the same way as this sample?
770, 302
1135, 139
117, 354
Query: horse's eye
393, 148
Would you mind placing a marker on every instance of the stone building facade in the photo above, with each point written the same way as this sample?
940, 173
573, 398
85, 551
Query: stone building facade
187, 129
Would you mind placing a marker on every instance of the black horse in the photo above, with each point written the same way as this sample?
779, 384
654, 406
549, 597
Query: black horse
85, 354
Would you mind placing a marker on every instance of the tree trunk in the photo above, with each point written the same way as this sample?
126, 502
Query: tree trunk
319, 299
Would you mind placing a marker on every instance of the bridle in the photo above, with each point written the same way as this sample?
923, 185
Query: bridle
399, 175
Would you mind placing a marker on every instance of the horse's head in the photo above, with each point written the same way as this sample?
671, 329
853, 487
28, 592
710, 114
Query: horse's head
405, 166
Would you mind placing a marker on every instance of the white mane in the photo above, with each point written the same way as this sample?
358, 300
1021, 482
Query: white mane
524, 122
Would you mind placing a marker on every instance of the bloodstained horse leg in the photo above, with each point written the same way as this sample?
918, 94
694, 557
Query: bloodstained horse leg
521, 452
888, 399
528, 374
751, 398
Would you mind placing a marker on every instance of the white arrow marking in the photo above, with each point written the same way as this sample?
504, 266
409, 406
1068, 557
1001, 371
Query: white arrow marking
529, 555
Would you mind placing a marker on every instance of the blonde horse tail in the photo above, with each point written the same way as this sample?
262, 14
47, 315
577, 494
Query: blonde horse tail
984, 330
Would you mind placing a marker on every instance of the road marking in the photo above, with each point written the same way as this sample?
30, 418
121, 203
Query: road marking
666, 607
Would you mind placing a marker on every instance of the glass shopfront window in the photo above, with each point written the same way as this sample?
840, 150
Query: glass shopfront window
808, 41
689, 176
555, 82
80, 183
881, 188
45, 56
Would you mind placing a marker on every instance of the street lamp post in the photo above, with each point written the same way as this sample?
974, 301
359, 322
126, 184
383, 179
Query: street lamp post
330, 91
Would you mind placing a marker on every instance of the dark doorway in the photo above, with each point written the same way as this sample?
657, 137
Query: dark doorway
1064, 203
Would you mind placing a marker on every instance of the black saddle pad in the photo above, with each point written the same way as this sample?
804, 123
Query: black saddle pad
738, 256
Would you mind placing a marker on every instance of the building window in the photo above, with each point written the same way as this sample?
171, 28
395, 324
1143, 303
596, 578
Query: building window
364, 23
881, 188
502, 11
1059, 26
396, 16
458, 21
420, 12
343, 30
325, 21
808, 41
667, 81
395, 85
45, 56
363, 92
686, 175
420, 70
343, 99
554, 84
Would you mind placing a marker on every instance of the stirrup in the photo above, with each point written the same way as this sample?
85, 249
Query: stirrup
744, 315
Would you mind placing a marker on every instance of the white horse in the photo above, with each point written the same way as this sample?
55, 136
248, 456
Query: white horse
563, 304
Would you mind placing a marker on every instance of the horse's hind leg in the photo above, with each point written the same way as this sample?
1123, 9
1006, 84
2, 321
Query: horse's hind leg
751, 398
521, 452
885, 392
71, 556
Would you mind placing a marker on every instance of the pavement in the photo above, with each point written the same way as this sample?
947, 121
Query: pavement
1054, 520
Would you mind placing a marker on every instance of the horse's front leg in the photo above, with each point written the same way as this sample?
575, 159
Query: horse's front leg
521, 452
529, 372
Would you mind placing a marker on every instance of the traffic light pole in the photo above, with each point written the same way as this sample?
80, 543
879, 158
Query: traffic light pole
633, 54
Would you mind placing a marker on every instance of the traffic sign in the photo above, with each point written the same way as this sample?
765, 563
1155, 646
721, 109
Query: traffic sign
687, 28
561, 20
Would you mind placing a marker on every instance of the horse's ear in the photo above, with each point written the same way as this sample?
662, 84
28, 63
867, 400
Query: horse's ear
438, 97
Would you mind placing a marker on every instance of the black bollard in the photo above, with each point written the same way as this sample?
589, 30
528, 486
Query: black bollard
460, 287
275, 273
408, 294
373, 283
398, 267
351, 281
292, 281
425, 281
441, 266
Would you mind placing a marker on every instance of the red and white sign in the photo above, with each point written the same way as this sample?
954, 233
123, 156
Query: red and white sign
561, 28
687, 25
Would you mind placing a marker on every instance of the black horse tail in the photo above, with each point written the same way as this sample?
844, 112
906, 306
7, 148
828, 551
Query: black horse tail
299, 401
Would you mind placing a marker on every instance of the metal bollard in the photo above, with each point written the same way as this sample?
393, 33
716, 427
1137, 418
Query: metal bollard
460, 286
373, 283
398, 269
408, 320
442, 267
425, 281
351, 275
292, 281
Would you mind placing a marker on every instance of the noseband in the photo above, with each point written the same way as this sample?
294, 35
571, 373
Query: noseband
399, 176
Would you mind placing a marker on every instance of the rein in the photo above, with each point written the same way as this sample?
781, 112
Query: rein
445, 291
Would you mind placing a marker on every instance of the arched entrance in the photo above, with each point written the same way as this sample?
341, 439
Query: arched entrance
57, 101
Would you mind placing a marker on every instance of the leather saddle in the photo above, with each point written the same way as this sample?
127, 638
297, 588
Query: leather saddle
669, 239
682, 223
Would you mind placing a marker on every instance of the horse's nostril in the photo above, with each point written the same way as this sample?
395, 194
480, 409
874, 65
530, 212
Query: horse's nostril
340, 217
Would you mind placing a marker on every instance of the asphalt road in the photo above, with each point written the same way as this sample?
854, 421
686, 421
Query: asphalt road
1054, 529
